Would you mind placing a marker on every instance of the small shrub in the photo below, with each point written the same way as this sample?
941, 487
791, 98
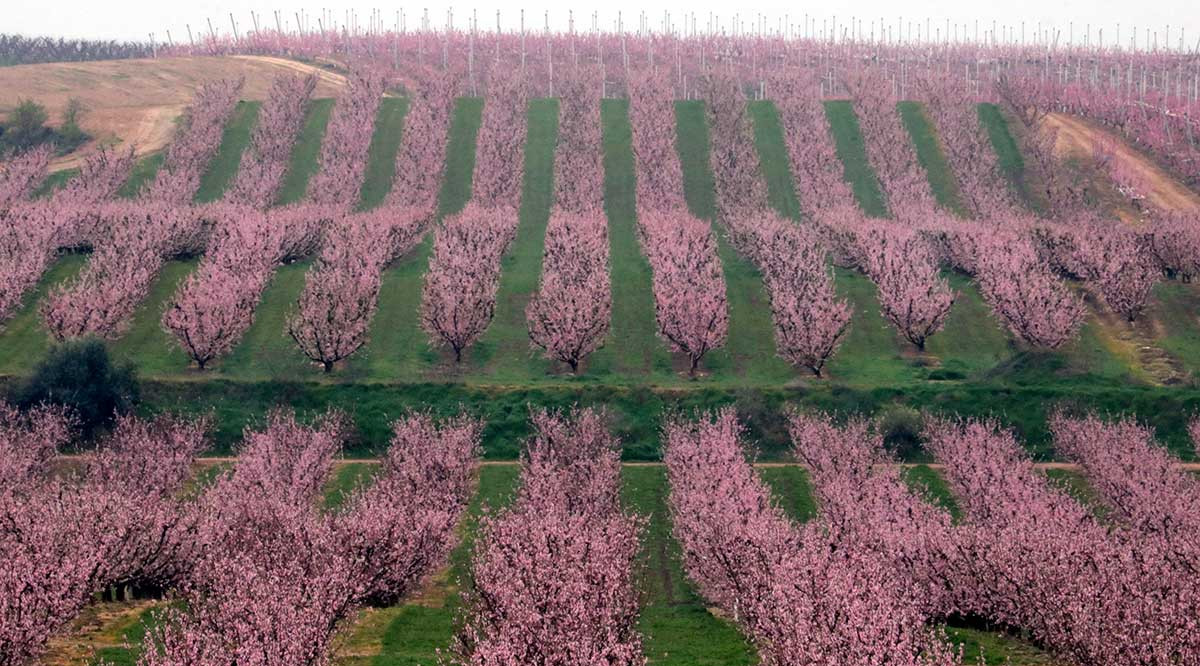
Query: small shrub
80, 376
901, 427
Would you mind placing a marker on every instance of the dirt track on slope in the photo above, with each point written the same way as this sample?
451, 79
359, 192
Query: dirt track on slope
135, 102
1077, 135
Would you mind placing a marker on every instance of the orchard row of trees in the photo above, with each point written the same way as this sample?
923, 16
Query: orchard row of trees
1021, 258
862, 582
266, 575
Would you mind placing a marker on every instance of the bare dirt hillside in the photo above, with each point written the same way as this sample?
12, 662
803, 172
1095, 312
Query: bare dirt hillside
1076, 135
135, 102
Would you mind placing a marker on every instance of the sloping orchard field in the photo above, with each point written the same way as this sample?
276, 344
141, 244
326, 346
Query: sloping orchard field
323, 230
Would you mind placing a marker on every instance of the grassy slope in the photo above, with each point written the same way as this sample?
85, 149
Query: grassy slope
749, 354
23, 341
224, 165
142, 173
632, 349
929, 153
397, 349
381, 158
306, 152
504, 354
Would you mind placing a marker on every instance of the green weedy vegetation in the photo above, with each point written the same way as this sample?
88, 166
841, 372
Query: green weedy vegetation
224, 165
381, 158
306, 153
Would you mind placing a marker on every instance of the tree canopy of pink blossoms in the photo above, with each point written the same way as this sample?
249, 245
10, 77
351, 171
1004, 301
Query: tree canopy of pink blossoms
817, 171
981, 185
1041, 561
1023, 293
569, 315
21, 174
266, 159
137, 238
215, 305
553, 574
273, 578
803, 593
890, 150
347, 142
912, 294
458, 299
421, 160
690, 305
1139, 480
118, 521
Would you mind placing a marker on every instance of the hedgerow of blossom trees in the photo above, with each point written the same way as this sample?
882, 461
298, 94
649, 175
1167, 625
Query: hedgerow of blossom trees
690, 305
458, 298
265, 160
343, 160
815, 166
1043, 562
138, 238
272, 577
421, 159
809, 321
802, 593
569, 315
889, 149
981, 185
118, 521
1139, 480
553, 574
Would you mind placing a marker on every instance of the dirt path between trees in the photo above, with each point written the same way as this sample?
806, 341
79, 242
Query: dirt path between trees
1078, 135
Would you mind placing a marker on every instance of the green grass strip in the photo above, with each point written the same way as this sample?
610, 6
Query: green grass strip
773, 155
504, 352
267, 351
23, 339
749, 355
929, 153
143, 171
306, 153
381, 157
633, 350
224, 165
852, 152
675, 622
146, 344
398, 348
418, 631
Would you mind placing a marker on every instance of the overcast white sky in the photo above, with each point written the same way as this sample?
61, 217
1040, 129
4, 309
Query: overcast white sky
135, 19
